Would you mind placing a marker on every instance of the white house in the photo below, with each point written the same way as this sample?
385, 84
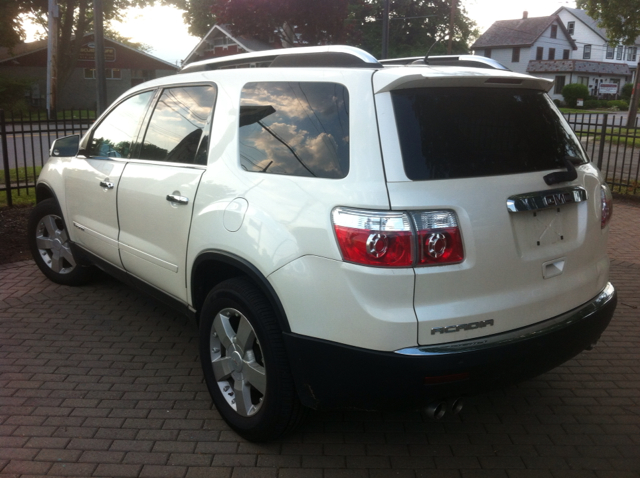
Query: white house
514, 43
593, 46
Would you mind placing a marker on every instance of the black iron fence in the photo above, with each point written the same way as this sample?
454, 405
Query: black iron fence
612, 146
26, 139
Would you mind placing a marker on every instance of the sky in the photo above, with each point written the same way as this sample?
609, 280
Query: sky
163, 29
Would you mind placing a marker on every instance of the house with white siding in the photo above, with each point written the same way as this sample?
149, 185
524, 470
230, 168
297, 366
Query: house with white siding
548, 47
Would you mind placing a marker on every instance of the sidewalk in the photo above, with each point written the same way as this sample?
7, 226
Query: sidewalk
104, 381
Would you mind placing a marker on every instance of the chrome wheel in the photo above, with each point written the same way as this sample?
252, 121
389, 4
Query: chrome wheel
53, 244
237, 362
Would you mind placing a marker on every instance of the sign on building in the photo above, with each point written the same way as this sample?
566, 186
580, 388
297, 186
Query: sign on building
608, 89
88, 52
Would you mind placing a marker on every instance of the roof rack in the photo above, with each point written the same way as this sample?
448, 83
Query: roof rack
473, 61
312, 56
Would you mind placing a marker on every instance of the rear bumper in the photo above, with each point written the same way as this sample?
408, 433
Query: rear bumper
331, 375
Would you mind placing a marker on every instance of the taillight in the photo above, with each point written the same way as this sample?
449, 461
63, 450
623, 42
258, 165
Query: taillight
439, 240
374, 238
606, 206
398, 239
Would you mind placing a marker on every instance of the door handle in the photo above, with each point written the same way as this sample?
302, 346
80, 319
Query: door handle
106, 184
176, 199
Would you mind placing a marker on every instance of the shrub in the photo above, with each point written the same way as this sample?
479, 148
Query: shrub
625, 93
572, 92
591, 104
12, 92
621, 105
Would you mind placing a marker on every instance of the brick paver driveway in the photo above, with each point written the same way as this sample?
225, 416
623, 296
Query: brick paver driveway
103, 381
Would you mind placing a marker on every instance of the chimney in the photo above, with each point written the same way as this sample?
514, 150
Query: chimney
525, 15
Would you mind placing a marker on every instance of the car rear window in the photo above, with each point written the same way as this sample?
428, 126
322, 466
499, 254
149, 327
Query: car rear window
448, 133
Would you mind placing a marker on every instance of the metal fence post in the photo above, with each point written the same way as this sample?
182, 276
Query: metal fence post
5, 159
603, 135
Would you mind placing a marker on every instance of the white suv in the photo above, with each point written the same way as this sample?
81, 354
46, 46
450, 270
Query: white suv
346, 232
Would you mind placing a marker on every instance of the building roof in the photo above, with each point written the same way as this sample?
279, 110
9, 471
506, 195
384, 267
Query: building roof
589, 22
578, 66
247, 42
522, 32
24, 49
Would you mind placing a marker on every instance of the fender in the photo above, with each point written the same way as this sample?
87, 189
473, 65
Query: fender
229, 265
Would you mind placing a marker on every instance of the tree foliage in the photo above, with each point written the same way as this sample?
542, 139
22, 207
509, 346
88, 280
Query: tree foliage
415, 26
573, 92
621, 18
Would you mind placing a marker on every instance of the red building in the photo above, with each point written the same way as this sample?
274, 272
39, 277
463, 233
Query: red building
124, 67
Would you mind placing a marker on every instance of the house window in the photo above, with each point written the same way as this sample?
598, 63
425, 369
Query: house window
552, 53
571, 27
610, 50
515, 54
565, 54
109, 73
583, 80
554, 31
619, 51
559, 84
586, 52
539, 53
487, 52
632, 52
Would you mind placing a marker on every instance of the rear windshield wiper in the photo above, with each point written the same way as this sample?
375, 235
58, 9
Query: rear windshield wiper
564, 176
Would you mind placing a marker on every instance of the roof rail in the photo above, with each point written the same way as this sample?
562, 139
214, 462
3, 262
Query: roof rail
311, 56
473, 61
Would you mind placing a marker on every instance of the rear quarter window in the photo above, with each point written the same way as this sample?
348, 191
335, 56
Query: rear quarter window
295, 129
448, 133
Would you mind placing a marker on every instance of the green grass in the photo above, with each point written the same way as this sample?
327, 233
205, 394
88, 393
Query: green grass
23, 198
19, 174
576, 110
630, 189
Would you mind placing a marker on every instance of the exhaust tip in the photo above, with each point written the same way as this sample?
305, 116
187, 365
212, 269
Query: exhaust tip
436, 410
455, 405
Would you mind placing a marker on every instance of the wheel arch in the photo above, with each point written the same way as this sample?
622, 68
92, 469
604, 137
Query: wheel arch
43, 192
213, 267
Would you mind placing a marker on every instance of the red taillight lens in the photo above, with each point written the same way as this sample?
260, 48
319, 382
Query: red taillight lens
439, 239
396, 239
606, 205
374, 238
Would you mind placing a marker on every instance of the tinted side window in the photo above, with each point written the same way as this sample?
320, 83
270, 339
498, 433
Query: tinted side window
461, 133
115, 134
176, 132
296, 129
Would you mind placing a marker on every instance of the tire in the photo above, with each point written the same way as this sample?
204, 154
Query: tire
245, 364
51, 248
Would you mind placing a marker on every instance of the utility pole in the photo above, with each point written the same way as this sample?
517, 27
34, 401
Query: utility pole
385, 30
52, 58
452, 18
98, 38
633, 107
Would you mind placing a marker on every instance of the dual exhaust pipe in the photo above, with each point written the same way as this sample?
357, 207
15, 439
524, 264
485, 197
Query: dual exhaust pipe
437, 410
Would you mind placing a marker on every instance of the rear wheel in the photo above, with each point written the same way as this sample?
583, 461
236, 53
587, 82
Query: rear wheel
51, 248
245, 364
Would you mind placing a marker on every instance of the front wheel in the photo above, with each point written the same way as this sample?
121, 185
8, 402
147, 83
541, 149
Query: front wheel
51, 248
245, 364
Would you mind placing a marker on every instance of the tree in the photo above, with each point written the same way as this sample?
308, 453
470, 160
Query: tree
621, 19
415, 27
76, 19
296, 22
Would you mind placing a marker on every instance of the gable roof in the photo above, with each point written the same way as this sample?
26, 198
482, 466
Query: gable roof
589, 22
586, 19
247, 42
24, 49
522, 32
578, 66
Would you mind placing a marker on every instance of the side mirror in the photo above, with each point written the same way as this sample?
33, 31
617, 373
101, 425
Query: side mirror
66, 146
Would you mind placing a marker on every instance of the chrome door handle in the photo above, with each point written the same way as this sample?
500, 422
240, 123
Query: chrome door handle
173, 198
106, 184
